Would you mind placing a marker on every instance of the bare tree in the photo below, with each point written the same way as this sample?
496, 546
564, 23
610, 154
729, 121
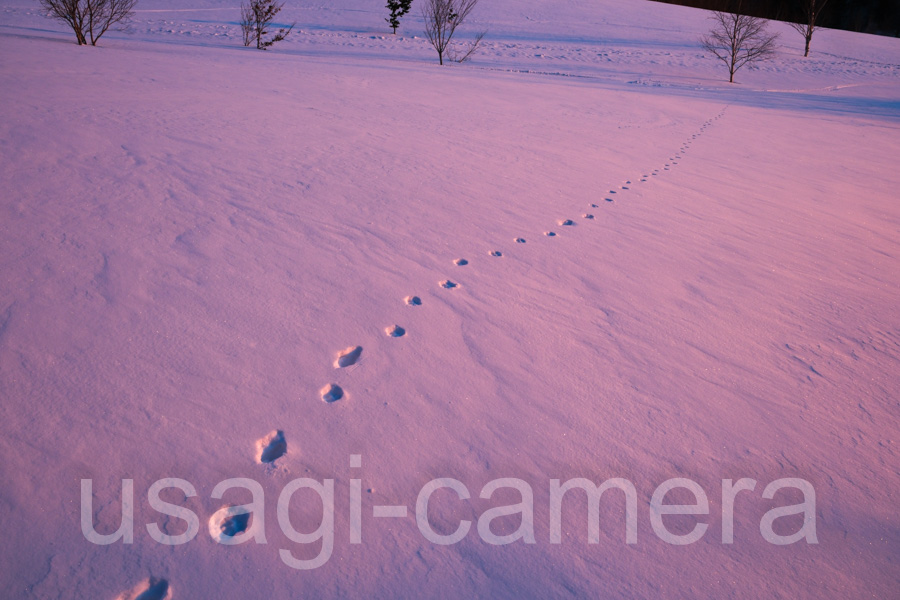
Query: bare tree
811, 11
442, 17
89, 19
738, 40
256, 18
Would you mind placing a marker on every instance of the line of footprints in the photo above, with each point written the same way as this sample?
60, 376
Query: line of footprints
229, 521
350, 356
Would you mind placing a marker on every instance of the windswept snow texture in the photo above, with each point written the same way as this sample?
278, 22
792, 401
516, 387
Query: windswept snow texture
190, 230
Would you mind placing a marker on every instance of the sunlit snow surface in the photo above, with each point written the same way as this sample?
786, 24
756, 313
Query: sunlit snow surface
191, 233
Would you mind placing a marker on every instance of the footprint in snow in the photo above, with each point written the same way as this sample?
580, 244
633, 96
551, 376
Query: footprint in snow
227, 522
271, 447
448, 285
550, 233
588, 216
495, 253
567, 222
460, 262
520, 240
347, 357
150, 589
413, 300
331, 393
595, 205
395, 331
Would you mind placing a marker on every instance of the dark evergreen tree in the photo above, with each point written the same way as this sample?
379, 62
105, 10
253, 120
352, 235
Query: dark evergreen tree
398, 8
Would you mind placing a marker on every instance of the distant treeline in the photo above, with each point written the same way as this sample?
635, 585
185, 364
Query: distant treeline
868, 16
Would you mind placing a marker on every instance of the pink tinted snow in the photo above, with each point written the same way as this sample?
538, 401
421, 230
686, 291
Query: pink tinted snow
191, 232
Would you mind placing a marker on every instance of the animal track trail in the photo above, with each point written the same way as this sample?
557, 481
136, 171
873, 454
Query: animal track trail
273, 446
685, 146
670, 164
150, 589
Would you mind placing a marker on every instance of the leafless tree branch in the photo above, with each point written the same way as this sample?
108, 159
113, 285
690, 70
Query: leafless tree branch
442, 17
811, 10
738, 40
256, 17
469, 50
89, 19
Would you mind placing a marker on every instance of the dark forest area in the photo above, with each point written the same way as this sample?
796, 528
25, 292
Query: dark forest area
868, 16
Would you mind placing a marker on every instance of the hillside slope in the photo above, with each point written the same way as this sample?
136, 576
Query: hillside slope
191, 232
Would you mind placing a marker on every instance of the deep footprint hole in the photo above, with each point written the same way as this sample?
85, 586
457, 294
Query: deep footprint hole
271, 447
348, 357
332, 393
395, 331
156, 589
227, 522
235, 524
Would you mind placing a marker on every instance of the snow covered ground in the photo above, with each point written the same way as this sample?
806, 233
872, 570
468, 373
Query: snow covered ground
192, 231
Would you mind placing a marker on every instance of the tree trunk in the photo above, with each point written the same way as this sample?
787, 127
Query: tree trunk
806, 53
